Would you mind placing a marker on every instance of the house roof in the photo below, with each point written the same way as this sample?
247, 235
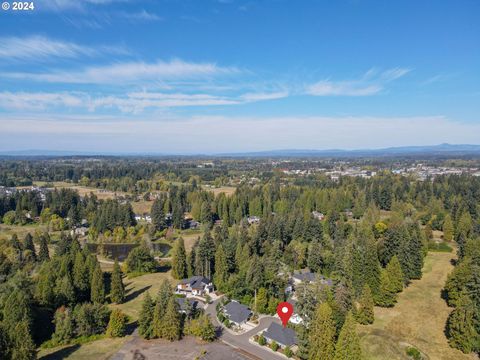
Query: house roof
237, 312
304, 275
281, 335
182, 303
196, 282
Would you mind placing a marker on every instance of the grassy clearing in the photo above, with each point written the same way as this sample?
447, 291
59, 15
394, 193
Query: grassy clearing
142, 207
136, 288
100, 349
418, 319
227, 190
83, 190
6, 231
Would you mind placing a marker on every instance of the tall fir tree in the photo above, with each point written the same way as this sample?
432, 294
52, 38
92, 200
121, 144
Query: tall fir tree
448, 228
364, 313
145, 319
388, 294
117, 294
97, 292
322, 334
348, 344
461, 331
158, 214
28, 245
395, 274
179, 260
43, 253
221, 268
171, 322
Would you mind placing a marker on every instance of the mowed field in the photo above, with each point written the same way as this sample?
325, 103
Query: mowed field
417, 319
84, 190
136, 289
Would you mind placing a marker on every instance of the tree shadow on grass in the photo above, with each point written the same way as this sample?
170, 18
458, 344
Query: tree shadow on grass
132, 295
62, 353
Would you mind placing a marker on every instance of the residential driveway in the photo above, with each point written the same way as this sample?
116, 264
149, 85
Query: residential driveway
241, 341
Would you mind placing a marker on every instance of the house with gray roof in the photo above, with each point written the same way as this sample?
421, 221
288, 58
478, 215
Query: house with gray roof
237, 313
184, 307
283, 336
196, 285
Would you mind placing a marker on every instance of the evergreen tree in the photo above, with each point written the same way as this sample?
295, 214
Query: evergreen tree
179, 260
387, 296
364, 314
221, 268
117, 294
395, 274
28, 245
461, 331
315, 256
117, 324
23, 347
145, 320
158, 214
43, 253
97, 287
65, 292
348, 344
64, 327
322, 334
448, 228
171, 322
81, 278
206, 330
262, 301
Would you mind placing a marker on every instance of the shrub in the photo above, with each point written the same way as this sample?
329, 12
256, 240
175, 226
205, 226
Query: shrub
288, 352
117, 325
414, 353
261, 340
274, 346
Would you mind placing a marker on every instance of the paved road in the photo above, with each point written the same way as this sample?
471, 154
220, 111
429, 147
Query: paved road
241, 341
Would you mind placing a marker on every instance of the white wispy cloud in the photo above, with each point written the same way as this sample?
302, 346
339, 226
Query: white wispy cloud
133, 102
60, 5
28, 101
140, 16
129, 72
264, 96
372, 82
40, 47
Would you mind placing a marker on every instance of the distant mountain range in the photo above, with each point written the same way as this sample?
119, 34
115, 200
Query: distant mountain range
442, 149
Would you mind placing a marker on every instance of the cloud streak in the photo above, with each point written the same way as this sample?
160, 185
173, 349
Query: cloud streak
40, 48
130, 72
371, 83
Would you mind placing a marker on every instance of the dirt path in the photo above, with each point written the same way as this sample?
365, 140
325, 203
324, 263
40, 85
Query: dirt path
417, 319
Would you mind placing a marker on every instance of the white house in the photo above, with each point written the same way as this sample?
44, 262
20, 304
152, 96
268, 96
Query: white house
196, 286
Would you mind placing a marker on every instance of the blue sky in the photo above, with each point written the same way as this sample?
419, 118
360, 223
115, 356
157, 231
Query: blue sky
206, 76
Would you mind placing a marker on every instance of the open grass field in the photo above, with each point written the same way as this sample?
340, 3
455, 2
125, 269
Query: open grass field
142, 207
227, 190
84, 190
417, 319
6, 231
135, 291
96, 350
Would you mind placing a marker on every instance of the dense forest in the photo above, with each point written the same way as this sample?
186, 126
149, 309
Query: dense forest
370, 242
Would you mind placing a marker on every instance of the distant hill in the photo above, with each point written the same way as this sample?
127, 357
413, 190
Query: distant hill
440, 150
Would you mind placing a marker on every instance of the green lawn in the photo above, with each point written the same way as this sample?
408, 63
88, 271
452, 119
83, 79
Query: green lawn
418, 319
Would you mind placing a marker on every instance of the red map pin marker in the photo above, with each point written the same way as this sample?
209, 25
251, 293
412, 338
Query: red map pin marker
284, 311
